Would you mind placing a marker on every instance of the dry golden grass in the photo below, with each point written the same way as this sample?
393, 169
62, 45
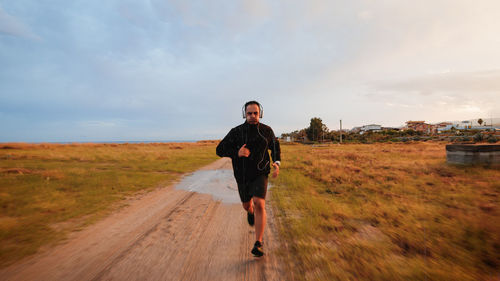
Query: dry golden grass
47, 190
387, 212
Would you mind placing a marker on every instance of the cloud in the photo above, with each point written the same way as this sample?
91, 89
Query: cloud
12, 26
188, 66
486, 81
98, 124
439, 96
365, 15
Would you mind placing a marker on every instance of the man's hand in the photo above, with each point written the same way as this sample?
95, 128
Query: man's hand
276, 170
243, 152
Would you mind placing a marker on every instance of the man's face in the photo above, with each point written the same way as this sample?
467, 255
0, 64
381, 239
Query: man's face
252, 113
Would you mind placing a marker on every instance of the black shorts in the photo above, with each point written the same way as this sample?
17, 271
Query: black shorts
256, 187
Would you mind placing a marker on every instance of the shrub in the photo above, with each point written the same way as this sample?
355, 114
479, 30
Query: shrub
478, 137
492, 139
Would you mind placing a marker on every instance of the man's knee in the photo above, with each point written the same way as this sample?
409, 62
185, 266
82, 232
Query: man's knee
259, 203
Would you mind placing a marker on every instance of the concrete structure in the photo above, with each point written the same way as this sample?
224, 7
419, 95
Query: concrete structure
468, 154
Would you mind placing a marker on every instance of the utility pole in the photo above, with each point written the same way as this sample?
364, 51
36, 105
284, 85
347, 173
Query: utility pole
491, 121
340, 130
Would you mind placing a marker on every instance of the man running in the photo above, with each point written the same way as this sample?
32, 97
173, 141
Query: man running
247, 145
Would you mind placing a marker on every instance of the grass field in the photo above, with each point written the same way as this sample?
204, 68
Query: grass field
387, 212
349, 212
47, 190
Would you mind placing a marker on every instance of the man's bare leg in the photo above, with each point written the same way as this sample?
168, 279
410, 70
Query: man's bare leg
248, 206
260, 217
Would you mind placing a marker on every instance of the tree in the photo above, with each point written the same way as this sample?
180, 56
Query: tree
301, 135
480, 121
316, 129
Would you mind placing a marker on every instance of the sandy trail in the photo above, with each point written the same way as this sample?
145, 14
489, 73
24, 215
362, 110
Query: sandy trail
167, 234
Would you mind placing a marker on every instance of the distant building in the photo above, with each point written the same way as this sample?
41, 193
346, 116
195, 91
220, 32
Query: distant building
371, 128
463, 126
419, 126
390, 128
443, 126
355, 130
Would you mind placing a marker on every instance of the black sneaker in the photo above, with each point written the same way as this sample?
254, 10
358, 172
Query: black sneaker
250, 218
257, 250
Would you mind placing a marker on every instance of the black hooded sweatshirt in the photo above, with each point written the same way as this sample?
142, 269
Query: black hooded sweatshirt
258, 139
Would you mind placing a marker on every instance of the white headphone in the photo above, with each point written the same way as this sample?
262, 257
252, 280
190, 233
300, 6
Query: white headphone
261, 109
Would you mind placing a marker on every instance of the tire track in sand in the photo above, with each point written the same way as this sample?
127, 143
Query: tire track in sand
167, 234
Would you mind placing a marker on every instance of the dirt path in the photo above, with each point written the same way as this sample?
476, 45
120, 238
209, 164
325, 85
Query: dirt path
167, 234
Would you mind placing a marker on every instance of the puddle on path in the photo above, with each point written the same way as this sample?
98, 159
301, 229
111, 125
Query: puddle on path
218, 183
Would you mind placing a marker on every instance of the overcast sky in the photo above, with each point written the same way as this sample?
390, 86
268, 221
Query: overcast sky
181, 70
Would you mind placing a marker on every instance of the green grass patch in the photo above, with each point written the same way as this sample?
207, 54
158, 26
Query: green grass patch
48, 190
387, 212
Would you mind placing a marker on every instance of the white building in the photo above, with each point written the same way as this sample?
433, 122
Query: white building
468, 125
371, 128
